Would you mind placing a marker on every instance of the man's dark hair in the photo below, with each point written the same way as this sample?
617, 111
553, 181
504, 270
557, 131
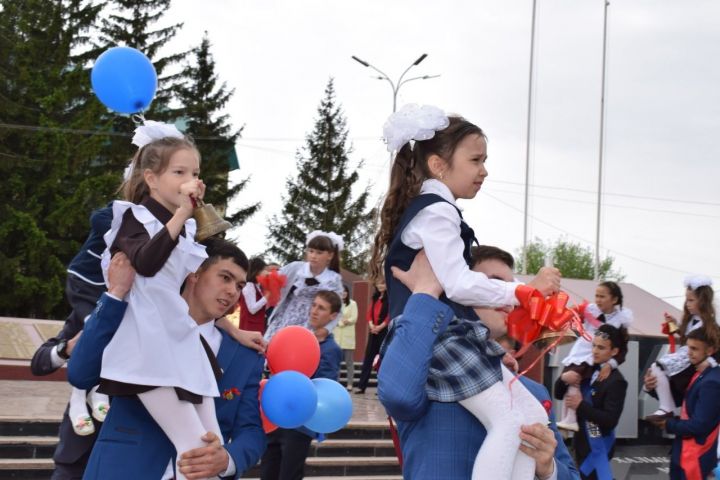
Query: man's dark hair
618, 336
486, 252
331, 298
218, 248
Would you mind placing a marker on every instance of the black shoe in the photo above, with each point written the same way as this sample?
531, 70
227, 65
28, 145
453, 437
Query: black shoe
360, 391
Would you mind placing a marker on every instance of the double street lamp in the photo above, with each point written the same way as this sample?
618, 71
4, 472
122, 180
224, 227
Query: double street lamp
401, 81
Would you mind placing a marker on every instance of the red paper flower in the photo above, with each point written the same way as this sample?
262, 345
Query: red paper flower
230, 393
547, 405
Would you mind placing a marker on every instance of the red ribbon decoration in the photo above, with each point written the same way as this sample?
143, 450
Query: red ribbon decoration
671, 337
272, 282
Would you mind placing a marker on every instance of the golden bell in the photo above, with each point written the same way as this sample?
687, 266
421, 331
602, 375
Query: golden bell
548, 337
209, 223
672, 327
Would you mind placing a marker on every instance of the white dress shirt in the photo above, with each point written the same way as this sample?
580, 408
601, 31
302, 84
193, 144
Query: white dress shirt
436, 228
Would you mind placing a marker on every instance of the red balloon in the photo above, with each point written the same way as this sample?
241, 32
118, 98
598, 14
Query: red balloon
293, 348
268, 426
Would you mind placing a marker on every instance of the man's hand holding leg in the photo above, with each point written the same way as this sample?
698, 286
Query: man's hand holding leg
205, 462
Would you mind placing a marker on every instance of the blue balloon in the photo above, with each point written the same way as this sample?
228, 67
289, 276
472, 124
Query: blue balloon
124, 80
289, 399
334, 407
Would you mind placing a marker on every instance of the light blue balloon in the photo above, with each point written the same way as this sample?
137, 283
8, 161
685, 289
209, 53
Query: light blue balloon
124, 80
289, 399
334, 407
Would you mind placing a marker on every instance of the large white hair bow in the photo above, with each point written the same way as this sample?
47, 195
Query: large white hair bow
336, 239
696, 281
150, 131
413, 122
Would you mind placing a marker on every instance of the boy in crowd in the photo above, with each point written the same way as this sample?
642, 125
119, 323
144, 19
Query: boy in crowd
287, 449
694, 450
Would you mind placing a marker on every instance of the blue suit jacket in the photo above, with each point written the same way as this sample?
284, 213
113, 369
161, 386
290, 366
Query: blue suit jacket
703, 405
130, 443
439, 440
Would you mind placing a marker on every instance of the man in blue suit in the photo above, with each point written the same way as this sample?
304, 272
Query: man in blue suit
441, 440
131, 444
694, 450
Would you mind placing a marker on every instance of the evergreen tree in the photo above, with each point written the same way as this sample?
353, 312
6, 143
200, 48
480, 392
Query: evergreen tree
572, 259
320, 197
50, 178
203, 98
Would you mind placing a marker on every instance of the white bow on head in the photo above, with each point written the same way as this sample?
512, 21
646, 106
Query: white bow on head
413, 122
696, 281
150, 131
336, 239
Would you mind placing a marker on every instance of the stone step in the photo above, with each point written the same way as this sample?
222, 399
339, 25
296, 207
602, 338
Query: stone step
362, 467
16, 446
26, 468
352, 447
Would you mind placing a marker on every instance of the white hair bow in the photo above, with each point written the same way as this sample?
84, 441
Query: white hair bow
413, 122
696, 281
336, 239
150, 131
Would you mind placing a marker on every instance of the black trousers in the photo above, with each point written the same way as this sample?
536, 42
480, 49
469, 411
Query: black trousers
371, 350
284, 458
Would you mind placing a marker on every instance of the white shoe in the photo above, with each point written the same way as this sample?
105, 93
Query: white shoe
83, 425
573, 427
99, 411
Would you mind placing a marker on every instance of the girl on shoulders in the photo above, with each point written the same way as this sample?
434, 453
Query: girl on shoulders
441, 159
319, 271
607, 309
675, 369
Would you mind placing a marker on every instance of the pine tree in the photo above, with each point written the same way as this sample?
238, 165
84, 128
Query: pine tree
203, 99
50, 181
320, 197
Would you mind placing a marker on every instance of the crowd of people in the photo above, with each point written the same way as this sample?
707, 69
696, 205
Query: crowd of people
166, 386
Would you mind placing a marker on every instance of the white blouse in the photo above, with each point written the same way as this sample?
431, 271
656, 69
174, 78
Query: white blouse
248, 293
436, 228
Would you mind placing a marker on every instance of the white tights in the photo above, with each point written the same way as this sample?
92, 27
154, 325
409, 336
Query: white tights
502, 411
667, 404
183, 422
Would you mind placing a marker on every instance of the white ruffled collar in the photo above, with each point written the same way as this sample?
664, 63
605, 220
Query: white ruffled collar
304, 273
432, 185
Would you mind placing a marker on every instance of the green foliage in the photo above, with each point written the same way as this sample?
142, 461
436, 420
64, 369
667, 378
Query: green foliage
572, 259
320, 197
203, 98
44, 216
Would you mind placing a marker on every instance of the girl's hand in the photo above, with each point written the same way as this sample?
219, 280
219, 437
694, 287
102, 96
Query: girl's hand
510, 362
250, 339
547, 281
670, 318
604, 372
189, 190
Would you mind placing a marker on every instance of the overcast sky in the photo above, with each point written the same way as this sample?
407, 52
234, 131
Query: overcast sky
660, 214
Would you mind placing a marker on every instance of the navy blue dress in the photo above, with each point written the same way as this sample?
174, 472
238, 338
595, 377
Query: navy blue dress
464, 359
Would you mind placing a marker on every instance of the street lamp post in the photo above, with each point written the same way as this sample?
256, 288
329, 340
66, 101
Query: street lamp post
400, 82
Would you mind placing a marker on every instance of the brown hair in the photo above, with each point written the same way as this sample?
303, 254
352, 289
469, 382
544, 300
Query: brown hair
704, 296
480, 253
409, 170
324, 244
154, 156
709, 335
332, 298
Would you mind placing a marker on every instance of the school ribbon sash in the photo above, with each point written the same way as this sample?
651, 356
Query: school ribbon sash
600, 446
691, 450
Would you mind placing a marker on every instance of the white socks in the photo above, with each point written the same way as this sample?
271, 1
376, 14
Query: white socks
78, 412
667, 404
